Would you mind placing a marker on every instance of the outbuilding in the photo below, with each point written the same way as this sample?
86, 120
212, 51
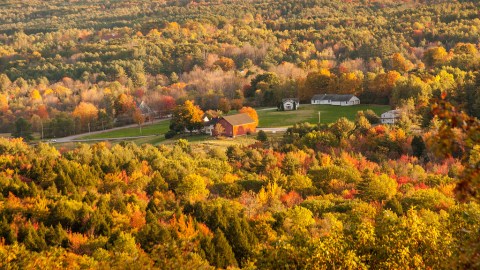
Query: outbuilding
290, 104
236, 125
390, 117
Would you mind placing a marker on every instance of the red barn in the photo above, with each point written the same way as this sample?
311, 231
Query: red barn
237, 124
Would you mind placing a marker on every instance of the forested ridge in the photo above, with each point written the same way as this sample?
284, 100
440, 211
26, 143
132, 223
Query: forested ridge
352, 194
112, 55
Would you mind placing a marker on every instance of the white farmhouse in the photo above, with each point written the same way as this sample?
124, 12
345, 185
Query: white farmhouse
338, 100
208, 125
390, 117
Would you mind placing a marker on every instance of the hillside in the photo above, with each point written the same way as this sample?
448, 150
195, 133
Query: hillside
346, 193
224, 55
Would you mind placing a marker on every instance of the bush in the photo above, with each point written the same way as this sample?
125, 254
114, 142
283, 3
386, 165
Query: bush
262, 136
170, 134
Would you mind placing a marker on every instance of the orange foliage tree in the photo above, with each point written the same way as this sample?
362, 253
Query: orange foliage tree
187, 116
251, 112
139, 118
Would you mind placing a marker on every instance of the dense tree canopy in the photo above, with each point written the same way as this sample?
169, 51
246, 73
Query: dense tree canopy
346, 195
231, 54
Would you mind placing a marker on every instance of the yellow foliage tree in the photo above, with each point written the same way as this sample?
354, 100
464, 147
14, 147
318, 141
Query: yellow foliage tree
86, 112
35, 95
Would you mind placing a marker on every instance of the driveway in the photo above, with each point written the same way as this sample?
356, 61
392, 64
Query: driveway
273, 130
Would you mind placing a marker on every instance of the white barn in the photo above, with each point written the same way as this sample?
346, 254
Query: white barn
390, 117
338, 100
290, 104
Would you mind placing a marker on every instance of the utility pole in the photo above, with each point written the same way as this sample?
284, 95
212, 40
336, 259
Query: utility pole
319, 116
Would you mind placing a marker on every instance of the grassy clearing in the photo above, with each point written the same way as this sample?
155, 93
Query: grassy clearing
309, 113
211, 141
153, 129
197, 141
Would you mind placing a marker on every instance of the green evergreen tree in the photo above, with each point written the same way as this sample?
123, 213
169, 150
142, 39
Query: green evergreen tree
6, 232
56, 236
224, 255
262, 136
23, 129
418, 146
241, 239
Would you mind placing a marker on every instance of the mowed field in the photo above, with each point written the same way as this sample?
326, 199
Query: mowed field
309, 113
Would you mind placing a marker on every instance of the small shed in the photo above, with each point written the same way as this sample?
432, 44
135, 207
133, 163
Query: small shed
236, 125
290, 104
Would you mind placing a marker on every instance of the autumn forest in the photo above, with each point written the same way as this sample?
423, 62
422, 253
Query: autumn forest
354, 193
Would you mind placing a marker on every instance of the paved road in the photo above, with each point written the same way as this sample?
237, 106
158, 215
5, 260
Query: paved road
273, 130
75, 138
267, 109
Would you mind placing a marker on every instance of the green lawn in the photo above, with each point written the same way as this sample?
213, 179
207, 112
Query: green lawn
309, 113
154, 129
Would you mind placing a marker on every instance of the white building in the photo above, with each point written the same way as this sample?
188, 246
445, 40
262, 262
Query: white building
338, 100
208, 126
290, 104
390, 117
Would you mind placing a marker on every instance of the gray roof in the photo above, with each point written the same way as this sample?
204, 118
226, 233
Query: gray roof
394, 112
291, 99
332, 97
238, 119
144, 108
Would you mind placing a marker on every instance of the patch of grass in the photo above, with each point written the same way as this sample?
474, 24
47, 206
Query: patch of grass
155, 140
309, 113
206, 140
153, 129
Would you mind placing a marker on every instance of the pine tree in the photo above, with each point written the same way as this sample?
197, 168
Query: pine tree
208, 250
418, 146
6, 232
241, 239
224, 255
57, 236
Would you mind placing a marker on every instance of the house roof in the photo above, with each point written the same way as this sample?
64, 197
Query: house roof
293, 99
396, 113
333, 97
144, 108
238, 119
